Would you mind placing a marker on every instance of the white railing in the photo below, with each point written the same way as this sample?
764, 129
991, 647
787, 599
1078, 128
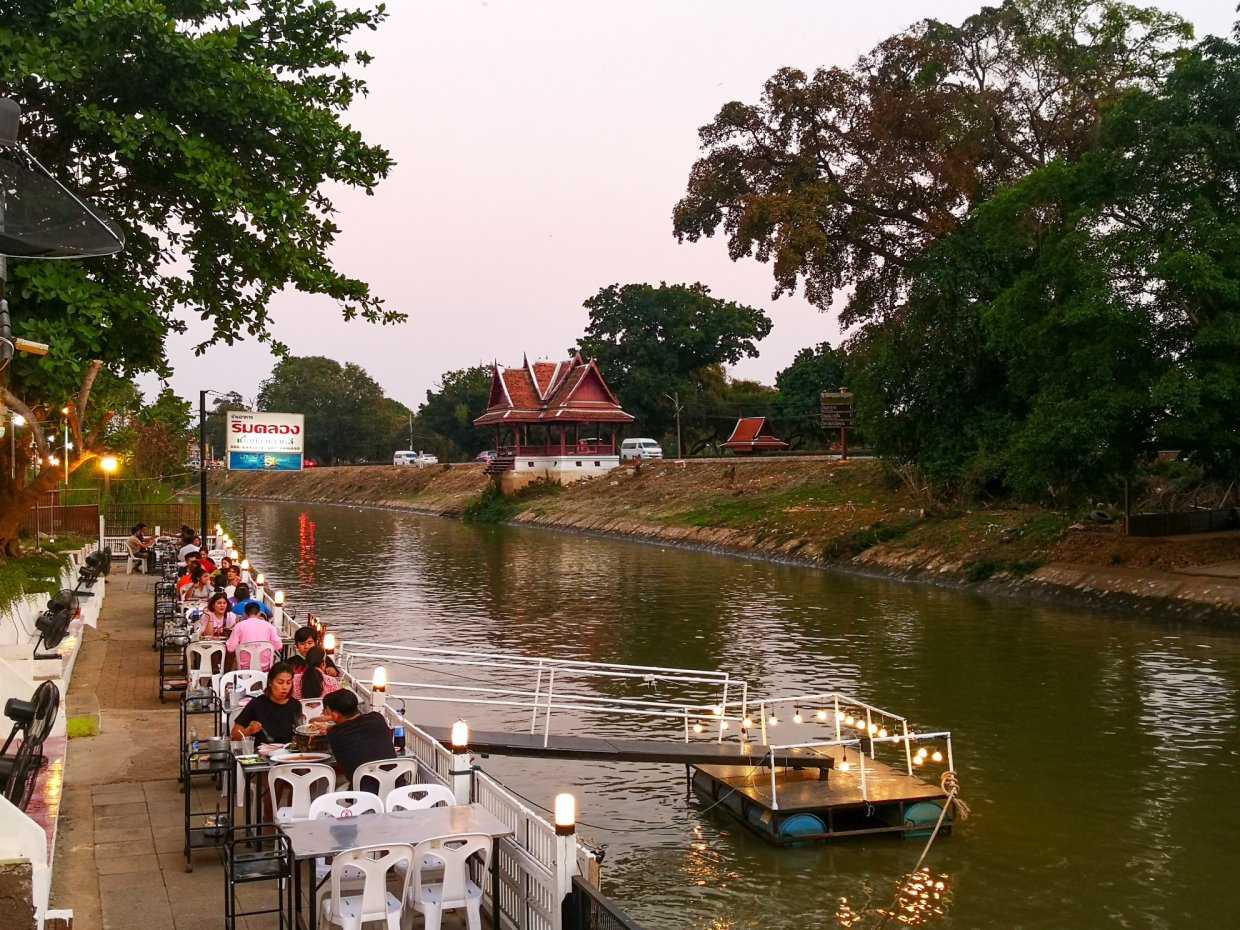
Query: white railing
543, 686
860, 745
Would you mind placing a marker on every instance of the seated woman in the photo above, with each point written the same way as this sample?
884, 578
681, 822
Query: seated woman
312, 680
272, 716
217, 620
254, 628
199, 586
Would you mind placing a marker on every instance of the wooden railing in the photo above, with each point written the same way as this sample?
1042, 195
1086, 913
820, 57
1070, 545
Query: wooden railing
554, 448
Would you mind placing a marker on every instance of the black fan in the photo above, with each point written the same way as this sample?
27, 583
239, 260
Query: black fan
32, 721
100, 562
54, 622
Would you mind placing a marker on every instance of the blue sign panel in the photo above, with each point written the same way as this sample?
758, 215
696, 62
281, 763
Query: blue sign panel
264, 461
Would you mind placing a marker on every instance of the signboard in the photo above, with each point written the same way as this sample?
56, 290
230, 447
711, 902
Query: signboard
265, 441
837, 410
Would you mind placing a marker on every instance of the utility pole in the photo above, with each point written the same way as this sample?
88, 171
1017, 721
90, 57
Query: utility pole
202, 465
675, 399
410, 429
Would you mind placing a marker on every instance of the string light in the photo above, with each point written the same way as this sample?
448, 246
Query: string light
697, 728
937, 756
873, 728
839, 715
773, 720
845, 765
796, 717
861, 725
821, 715
723, 725
849, 720
882, 732
747, 723
717, 710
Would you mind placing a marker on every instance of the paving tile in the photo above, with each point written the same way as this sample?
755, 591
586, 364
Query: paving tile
122, 834
149, 882
139, 846
139, 821
128, 912
116, 865
123, 809
116, 793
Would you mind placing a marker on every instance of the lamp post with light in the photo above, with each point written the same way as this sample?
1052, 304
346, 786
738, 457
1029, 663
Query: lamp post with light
68, 445
16, 422
108, 465
462, 771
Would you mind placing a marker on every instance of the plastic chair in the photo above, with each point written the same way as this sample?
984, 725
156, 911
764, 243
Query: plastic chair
374, 902
456, 890
131, 560
418, 798
242, 682
343, 804
256, 655
200, 664
385, 774
311, 708
302, 779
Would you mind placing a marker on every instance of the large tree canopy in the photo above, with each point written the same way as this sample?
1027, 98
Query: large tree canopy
1086, 314
208, 130
651, 341
844, 178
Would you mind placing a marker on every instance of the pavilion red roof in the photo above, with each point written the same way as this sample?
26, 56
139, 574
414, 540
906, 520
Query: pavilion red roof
571, 391
752, 434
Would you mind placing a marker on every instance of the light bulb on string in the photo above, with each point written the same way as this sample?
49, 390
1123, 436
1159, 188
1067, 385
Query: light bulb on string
937, 756
845, 765
820, 715
773, 720
747, 723
849, 720
882, 732
796, 716
697, 728
839, 715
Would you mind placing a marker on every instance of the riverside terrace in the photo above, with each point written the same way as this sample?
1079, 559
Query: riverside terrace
121, 850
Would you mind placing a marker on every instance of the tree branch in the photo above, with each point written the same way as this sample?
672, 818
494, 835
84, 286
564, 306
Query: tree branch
79, 405
13, 402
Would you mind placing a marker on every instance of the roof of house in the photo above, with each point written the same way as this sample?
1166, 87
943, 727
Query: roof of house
571, 391
752, 434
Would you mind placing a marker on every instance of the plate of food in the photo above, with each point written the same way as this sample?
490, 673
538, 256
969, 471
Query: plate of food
270, 749
316, 727
285, 756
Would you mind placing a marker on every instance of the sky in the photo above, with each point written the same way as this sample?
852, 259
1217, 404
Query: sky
540, 147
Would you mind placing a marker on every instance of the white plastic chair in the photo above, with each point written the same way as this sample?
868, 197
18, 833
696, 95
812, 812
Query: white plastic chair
256, 655
344, 804
374, 902
456, 890
242, 682
200, 664
133, 559
418, 798
384, 774
311, 708
302, 779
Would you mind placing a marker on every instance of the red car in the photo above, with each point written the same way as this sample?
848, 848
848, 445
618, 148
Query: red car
309, 463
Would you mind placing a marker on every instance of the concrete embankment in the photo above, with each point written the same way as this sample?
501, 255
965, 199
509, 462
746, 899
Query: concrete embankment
853, 516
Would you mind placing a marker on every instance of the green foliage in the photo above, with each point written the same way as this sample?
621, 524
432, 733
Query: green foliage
36, 573
813, 370
348, 419
844, 178
86, 725
210, 133
449, 413
493, 506
653, 341
1082, 316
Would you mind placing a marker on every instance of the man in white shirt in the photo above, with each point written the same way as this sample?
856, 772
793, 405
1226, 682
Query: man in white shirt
195, 546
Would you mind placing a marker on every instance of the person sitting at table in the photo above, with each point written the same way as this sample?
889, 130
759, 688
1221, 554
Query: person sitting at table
356, 737
191, 561
242, 599
227, 578
199, 586
311, 679
254, 628
305, 639
272, 716
217, 620
194, 545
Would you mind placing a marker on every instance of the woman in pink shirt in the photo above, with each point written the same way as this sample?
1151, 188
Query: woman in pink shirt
254, 629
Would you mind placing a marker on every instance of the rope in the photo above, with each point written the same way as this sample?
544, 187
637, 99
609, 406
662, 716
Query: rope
951, 785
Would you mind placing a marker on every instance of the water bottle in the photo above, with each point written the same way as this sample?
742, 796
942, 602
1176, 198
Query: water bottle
193, 739
398, 740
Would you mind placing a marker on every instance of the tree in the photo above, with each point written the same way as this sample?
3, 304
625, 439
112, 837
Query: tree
451, 408
1085, 312
208, 133
652, 341
844, 179
217, 421
338, 401
813, 370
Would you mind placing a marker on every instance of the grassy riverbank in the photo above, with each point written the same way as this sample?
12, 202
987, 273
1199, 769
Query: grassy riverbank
856, 515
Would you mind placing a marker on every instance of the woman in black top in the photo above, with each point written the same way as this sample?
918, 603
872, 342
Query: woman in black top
272, 716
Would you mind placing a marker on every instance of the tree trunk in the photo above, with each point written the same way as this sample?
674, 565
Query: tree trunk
15, 503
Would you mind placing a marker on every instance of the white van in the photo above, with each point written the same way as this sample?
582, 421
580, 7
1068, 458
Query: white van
408, 457
632, 449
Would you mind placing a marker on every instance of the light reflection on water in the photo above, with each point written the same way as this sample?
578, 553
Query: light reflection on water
1099, 754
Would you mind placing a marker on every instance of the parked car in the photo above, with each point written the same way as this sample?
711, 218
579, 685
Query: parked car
409, 457
486, 455
634, 449
309, 463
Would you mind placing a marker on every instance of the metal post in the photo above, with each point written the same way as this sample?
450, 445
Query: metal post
951, 762
869, 734
101, 532
547, 719
537, 689
837, 717
861, 757
774, 792
723, 708
462, 773
202, 464
66, 452
762, 720
908, 750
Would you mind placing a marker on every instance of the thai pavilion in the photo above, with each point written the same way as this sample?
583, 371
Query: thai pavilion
554, 420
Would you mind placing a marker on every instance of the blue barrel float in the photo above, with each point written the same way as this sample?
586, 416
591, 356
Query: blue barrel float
921, 817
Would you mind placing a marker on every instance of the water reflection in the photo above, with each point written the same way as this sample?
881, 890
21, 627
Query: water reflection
1098, 753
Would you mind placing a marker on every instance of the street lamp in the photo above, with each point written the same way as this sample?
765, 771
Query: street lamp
68, 445
18, 421
108, 465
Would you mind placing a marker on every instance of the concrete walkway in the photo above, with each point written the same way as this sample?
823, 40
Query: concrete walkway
119, 862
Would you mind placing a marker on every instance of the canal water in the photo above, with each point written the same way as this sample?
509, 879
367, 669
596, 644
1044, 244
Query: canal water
1100, 753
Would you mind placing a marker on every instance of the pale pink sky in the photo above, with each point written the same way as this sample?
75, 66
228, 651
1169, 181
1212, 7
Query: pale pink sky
540, 147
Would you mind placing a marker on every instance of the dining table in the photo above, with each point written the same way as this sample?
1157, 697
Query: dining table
326, 837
